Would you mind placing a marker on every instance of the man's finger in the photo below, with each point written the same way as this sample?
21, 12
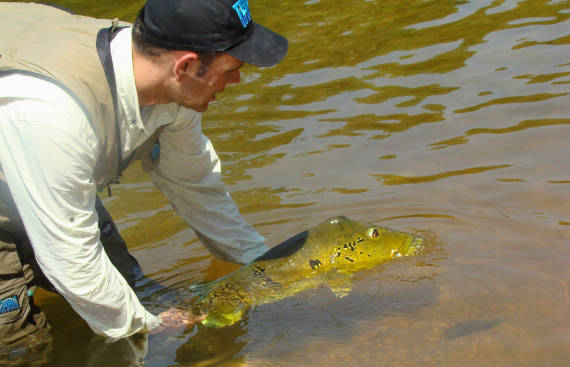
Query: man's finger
175, 318
191, 319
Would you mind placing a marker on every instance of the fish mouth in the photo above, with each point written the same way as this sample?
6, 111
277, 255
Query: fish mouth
413, 246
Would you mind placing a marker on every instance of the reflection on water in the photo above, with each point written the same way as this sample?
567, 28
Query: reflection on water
443, 116
400, 180
523, 125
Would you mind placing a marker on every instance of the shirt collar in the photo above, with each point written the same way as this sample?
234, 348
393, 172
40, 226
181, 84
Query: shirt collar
122, 55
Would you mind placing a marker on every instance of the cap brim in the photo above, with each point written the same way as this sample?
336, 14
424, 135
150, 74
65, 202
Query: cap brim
263, 48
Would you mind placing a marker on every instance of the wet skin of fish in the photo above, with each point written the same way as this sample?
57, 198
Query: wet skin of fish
326, 254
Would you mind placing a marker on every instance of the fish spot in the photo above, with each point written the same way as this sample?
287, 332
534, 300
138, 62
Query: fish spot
338, 254
258, 271
349, 259
350, 245
315, 264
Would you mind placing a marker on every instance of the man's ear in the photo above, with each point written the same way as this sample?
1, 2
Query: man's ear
183, 61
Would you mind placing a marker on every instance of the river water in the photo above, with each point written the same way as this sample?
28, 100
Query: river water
447, 118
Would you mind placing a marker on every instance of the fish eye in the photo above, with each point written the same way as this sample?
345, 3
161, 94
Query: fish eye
373, 233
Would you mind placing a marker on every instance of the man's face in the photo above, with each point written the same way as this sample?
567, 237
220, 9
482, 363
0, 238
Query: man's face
197, 92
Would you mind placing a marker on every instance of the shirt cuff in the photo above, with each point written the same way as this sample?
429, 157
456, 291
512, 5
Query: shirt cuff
151, 321
252, 254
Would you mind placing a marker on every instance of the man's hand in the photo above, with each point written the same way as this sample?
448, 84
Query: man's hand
175, 319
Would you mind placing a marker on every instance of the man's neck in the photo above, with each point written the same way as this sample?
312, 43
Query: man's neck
151, 78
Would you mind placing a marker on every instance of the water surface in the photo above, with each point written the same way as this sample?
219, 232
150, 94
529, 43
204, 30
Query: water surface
448, 118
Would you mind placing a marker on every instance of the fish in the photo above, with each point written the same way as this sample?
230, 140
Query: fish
329, 253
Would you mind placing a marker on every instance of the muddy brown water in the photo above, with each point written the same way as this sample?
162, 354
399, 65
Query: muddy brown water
447, 118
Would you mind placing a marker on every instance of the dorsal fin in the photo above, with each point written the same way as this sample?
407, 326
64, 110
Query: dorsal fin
285, 248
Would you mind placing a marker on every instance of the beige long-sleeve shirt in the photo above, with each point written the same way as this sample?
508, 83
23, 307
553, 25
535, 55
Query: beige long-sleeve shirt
48, 152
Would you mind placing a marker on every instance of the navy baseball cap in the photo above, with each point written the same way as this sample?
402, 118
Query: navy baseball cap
212, 26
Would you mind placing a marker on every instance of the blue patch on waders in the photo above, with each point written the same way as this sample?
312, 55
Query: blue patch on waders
9, 304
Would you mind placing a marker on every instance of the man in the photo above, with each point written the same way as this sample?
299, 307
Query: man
79, 101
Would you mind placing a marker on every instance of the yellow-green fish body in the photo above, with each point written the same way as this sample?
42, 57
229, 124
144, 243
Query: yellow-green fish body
326, 254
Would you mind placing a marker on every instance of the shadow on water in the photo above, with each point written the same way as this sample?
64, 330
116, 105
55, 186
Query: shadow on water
465, 328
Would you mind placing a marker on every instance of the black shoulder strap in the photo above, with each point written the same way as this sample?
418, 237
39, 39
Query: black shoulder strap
104, 38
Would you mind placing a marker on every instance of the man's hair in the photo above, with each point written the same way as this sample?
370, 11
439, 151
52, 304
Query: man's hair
148, 48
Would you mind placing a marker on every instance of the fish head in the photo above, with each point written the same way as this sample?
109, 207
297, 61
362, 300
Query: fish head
358, 245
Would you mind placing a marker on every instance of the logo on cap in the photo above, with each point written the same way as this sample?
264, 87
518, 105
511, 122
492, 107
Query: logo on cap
242, 9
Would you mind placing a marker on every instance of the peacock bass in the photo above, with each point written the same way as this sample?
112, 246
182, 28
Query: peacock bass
326, 254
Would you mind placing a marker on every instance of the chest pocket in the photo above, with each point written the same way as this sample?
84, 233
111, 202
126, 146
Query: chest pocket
149, 151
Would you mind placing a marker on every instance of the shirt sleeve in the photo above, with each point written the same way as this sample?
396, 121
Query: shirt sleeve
47, 152
189, 174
